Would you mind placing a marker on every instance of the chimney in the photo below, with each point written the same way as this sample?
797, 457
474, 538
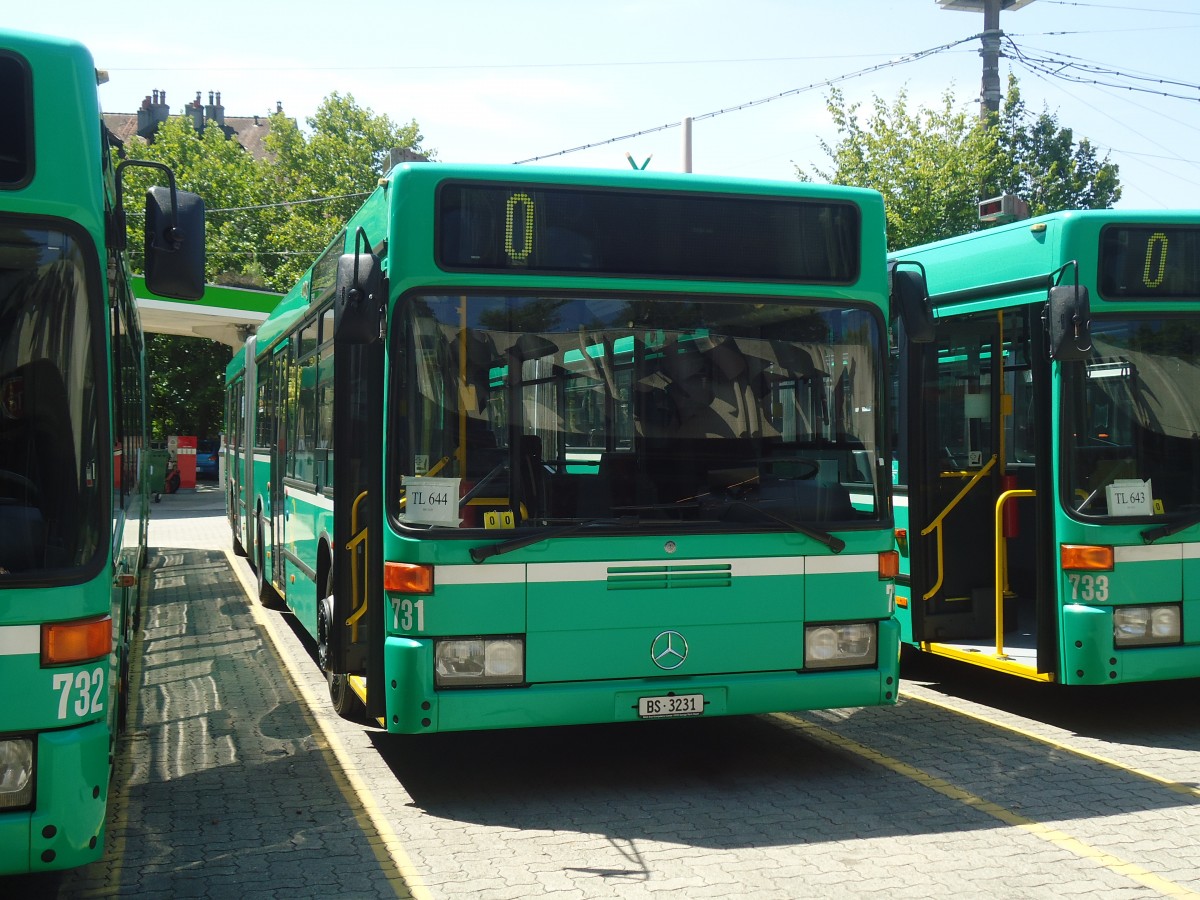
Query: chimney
215, 112
153, 113
195, 110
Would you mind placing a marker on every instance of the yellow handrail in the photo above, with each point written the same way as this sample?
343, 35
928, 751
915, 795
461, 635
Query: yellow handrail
936, 524
1002, 562
358, 538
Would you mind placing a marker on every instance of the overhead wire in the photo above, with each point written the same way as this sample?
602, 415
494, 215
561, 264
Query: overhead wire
1071, 68
1049, 77
1140, 9
1043, 64
891, 63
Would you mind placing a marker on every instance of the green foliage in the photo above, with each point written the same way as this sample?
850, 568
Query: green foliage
928, 165
933, 166
187, 385
1045, 167
267, 221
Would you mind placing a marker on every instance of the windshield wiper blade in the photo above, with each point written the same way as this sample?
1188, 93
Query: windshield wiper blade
479, 554
1158, 532
832, 541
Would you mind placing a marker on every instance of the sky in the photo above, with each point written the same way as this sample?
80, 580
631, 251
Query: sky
525, 80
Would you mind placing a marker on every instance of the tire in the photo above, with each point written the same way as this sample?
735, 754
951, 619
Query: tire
345, 701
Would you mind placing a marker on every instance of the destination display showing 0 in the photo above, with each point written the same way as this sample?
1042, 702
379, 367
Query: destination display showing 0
526, 227
1148, 261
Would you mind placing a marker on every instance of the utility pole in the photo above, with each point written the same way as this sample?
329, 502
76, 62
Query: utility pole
989, 94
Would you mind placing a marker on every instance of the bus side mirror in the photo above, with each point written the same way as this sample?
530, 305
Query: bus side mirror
910, 302
359, 296
174, 244
1069, 313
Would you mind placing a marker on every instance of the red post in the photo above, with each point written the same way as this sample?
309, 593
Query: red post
185, 458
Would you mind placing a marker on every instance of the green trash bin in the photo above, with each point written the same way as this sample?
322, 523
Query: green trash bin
156, 472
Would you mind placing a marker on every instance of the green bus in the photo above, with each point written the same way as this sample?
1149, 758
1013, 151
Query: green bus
1048, 450
72, 430
535, 446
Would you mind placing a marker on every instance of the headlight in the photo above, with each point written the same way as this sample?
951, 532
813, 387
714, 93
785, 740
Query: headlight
839, 645
16, 773
1141, 626
479, 661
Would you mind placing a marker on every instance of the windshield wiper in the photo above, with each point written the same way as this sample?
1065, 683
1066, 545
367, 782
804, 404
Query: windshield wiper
479, 554
832, 541
1150, 535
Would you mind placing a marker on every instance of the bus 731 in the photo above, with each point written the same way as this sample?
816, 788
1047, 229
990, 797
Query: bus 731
534, 446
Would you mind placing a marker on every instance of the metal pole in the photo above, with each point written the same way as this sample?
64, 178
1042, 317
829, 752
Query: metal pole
989, 98
687, 143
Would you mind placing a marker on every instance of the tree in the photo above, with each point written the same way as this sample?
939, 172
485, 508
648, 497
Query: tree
929, 165
1045, 167
934, 165
187, 385
337, 165
268, 219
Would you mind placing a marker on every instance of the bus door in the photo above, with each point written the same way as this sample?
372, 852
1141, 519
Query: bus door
353, 637
970, 441
241, 469
285, 406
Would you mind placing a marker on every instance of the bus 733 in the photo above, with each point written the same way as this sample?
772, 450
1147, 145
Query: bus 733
1049, 453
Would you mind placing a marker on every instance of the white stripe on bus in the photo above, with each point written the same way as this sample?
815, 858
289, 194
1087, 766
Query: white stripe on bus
19, 640
550, 573
319, 500
1148, 553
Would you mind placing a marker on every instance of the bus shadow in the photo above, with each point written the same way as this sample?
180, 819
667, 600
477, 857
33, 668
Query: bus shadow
1153, 714
757, 781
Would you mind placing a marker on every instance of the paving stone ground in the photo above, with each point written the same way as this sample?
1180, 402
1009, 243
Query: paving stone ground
224, 787
237, 780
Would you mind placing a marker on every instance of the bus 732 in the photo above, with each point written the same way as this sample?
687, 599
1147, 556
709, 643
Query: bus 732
533, 446
1049, 453
72, 431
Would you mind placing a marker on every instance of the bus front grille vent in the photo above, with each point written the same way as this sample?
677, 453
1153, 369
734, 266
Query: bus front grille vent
628, 578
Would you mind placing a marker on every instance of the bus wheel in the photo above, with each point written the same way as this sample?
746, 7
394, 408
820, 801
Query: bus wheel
342, 698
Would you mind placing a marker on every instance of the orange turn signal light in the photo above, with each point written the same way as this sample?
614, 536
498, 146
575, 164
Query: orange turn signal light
407, 578
1086, 558
889, 564
64, 643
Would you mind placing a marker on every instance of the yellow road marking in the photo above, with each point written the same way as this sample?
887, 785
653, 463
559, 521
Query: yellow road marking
1051, 835
1059, 745
401, 873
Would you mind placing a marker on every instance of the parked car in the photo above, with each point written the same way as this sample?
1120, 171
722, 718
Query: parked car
208, 459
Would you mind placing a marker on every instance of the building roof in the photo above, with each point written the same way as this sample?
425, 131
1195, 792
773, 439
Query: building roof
249, 131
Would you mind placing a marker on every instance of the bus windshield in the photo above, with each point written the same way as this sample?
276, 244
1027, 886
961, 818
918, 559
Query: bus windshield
50, 504
1132, 419
523, 410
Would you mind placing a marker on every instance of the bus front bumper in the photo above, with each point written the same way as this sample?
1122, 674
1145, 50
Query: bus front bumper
65, 827
414, 706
